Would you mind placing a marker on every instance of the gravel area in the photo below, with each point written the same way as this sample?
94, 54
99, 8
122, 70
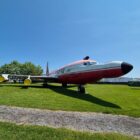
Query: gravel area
82, 121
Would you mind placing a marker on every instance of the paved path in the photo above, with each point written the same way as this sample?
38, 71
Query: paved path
94, 122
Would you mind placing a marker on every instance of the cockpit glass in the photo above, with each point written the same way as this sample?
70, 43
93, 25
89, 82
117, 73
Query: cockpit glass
92, 63
89, 63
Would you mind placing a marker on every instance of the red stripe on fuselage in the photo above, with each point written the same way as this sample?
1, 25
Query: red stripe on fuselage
90, 76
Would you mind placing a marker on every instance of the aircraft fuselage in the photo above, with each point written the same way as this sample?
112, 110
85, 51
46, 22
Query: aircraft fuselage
87, 71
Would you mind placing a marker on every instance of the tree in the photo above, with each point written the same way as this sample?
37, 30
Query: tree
26, 68
30, 69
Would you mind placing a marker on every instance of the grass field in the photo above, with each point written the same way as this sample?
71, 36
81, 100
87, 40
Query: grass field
114, 99
9, 131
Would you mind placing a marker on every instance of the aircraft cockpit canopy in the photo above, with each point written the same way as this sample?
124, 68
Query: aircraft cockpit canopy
90, 63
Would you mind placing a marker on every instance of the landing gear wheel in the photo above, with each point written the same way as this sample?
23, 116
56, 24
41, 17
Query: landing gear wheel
81, 89
45, 84
64, 85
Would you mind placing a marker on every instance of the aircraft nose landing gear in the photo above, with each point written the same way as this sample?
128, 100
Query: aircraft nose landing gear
81, 89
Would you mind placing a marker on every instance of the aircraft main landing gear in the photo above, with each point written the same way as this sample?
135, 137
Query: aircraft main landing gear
81, 89
64, 85
45, 84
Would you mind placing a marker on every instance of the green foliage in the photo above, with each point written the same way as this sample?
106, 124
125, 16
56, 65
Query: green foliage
26, 68
114, 99
29, 68
9, 131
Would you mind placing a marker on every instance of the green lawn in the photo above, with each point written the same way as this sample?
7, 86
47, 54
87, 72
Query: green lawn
115, 99
9, 131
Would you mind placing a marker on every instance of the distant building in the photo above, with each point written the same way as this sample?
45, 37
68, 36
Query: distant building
118, 80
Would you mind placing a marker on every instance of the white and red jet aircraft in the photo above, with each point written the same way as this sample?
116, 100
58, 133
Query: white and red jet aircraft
80, 73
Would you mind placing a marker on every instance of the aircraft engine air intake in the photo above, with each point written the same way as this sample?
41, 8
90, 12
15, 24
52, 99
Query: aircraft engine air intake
27, 82
2, 79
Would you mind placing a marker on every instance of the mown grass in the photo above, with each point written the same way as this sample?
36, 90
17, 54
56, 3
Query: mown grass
114, 99
9, 131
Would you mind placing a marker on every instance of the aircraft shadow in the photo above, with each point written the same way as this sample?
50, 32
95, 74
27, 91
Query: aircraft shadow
86, 97
74, 94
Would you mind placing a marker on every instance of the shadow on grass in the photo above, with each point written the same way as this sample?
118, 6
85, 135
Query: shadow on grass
86, 97
73, 94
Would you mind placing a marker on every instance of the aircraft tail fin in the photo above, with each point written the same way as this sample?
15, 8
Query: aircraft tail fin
47, 69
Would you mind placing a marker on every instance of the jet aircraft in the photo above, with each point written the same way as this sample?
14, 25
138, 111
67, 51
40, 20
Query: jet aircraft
80, 72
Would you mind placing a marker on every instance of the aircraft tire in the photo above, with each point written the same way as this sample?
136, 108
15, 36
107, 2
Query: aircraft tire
81, 89
64, 85
45, 85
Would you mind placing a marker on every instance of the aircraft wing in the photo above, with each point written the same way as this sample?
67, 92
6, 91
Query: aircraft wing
29, 77
45, 78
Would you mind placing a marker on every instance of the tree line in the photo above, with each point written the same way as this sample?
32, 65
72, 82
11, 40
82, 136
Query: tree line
18, 68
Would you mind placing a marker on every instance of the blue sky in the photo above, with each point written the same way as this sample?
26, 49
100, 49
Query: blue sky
62, 31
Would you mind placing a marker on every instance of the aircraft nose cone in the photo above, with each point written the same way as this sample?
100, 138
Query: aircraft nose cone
126, 67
